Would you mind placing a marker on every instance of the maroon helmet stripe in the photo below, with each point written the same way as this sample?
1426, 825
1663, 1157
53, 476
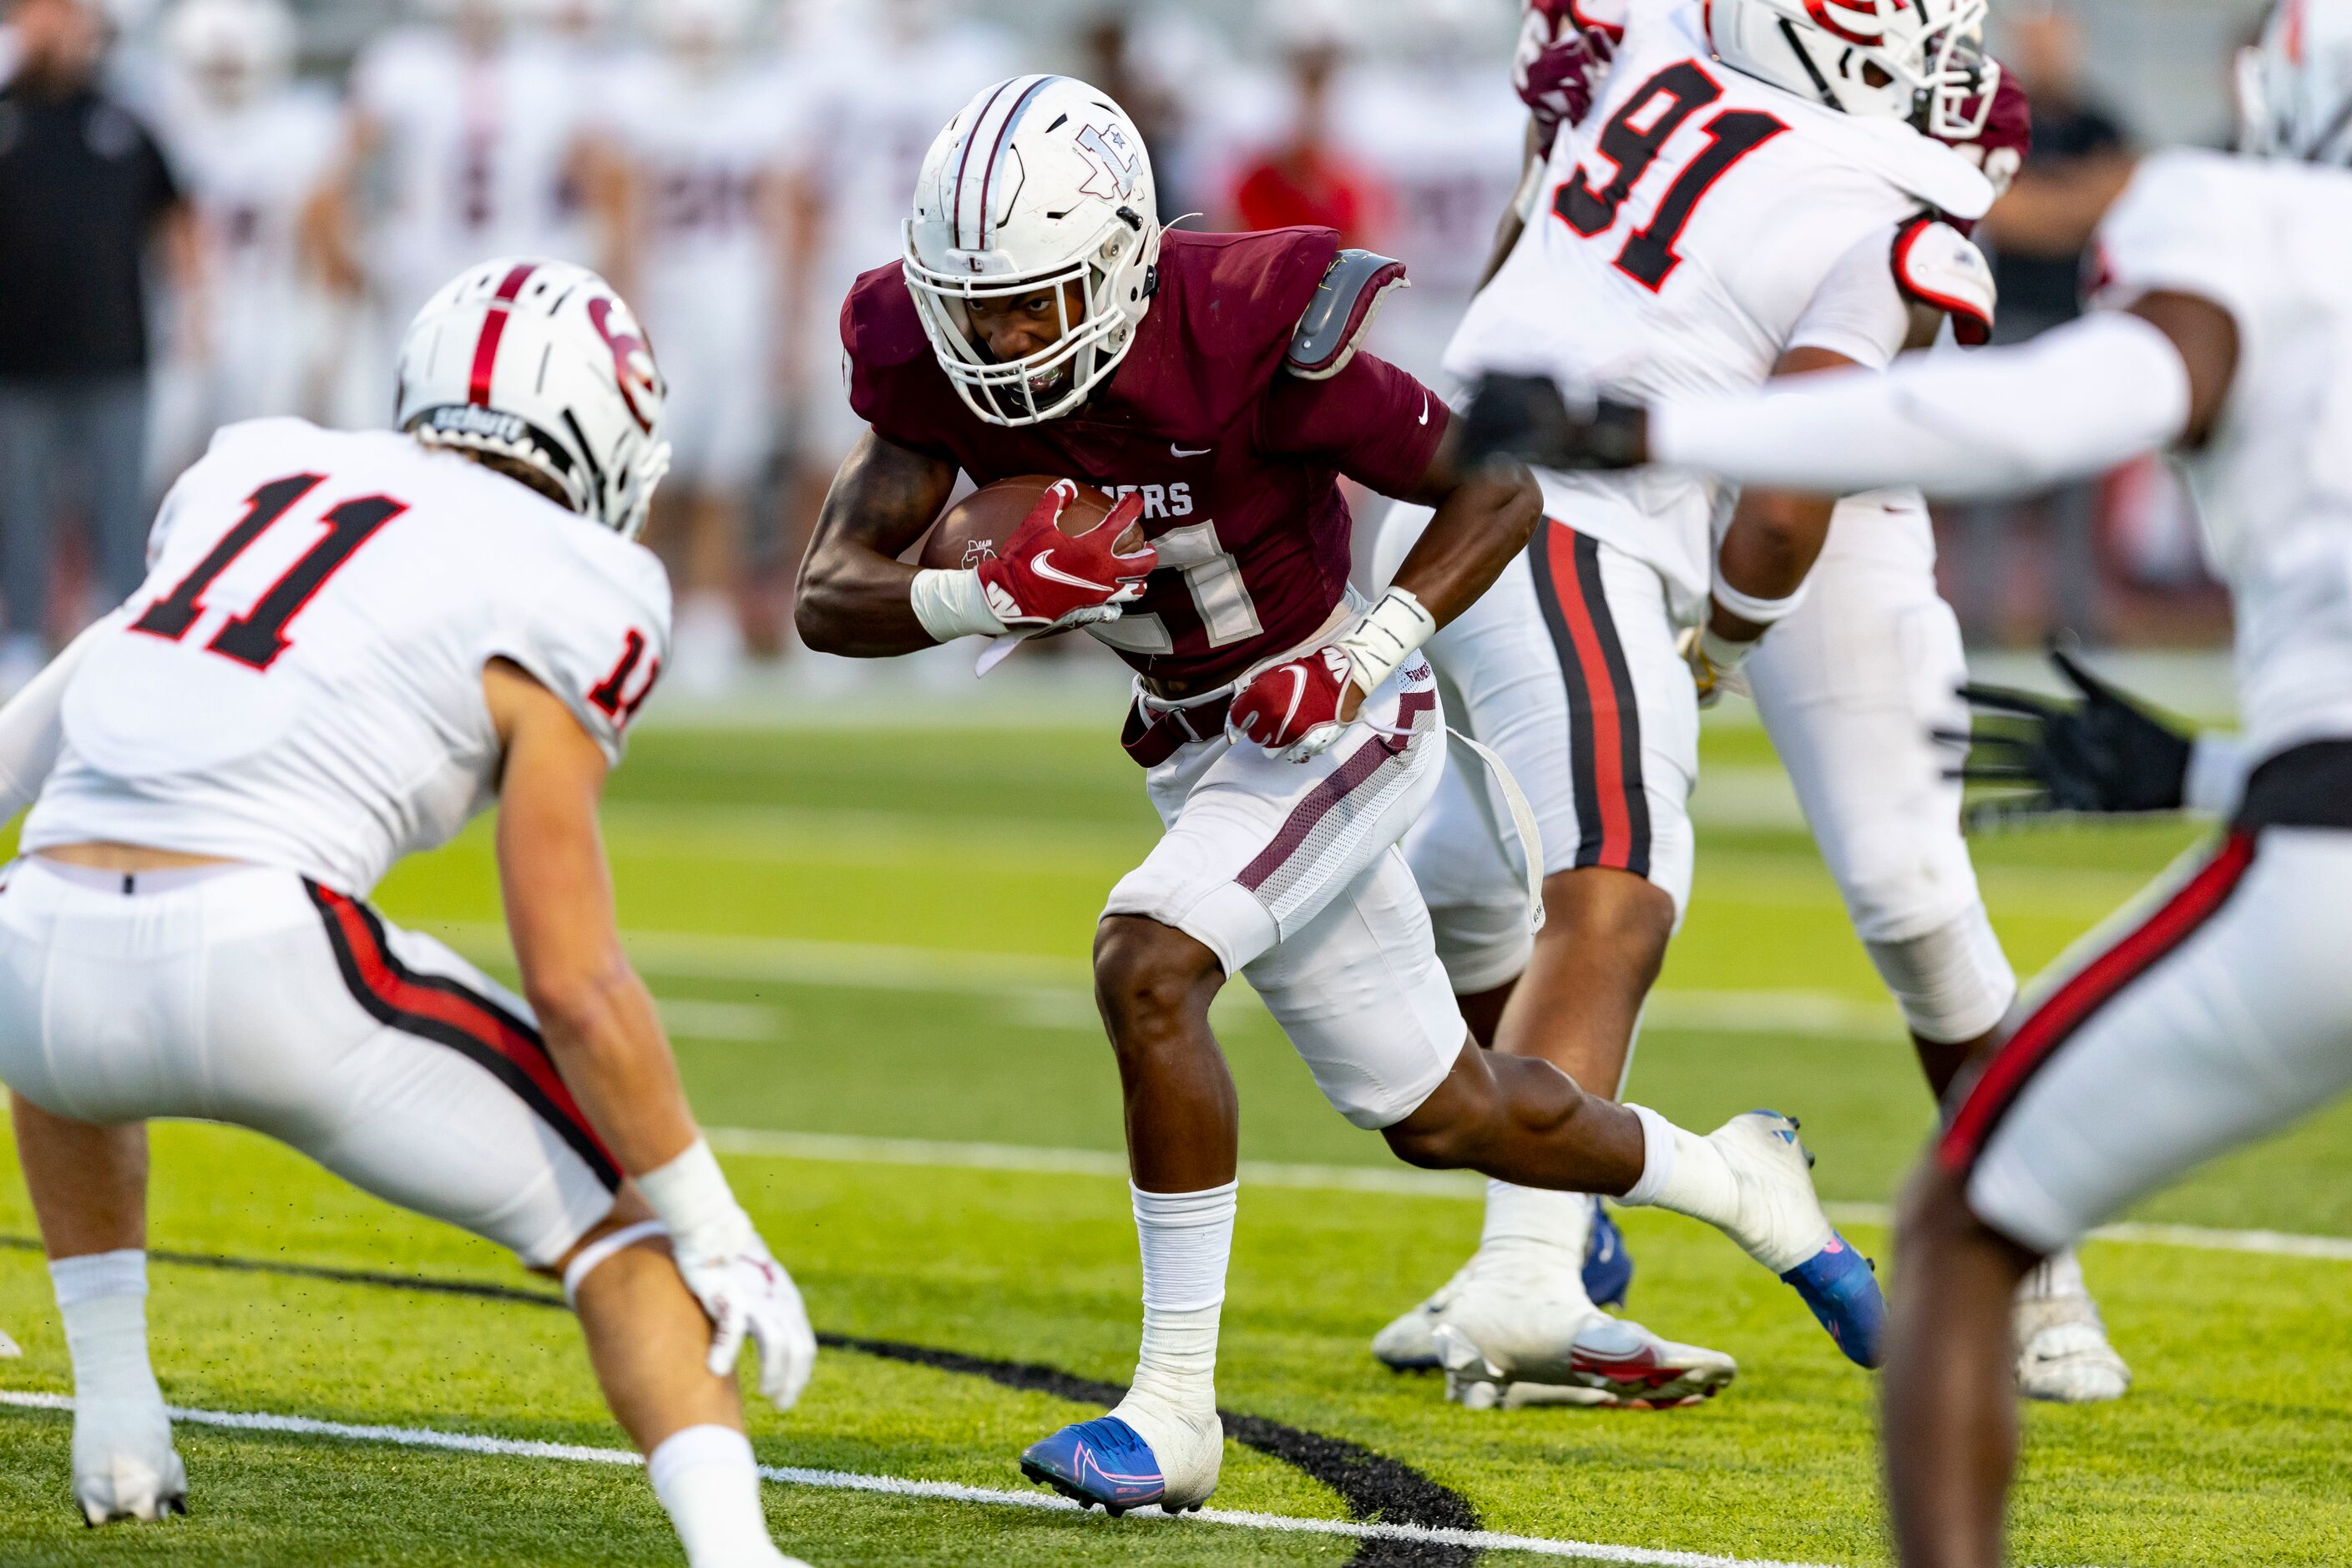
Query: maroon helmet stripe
494, 327
1004, 134
964, 163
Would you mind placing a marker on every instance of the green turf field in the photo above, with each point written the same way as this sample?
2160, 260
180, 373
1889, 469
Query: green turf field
870, 942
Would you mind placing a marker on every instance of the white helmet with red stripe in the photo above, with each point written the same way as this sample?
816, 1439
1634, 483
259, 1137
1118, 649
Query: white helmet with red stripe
1041, 182
2295, 85
1919, 61
542, 363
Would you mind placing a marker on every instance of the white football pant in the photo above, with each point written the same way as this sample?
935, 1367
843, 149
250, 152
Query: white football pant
261, 999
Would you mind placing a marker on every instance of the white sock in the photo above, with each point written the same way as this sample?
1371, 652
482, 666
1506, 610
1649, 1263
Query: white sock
2060, 1278
103, 1300
1538, 1233
710, 1485
1187, 1239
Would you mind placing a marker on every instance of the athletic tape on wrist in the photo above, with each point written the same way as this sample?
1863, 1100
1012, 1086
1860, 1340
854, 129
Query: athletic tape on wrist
952, 605
691, 1196
597, 1253
1721, 652
1391, 632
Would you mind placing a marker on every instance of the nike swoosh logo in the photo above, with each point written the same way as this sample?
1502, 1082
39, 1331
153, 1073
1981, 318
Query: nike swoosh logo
1425, 408
1190, 451
1044, 566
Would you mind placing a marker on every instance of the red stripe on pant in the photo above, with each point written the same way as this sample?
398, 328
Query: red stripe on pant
382, 975
1606, 703
2037, 1040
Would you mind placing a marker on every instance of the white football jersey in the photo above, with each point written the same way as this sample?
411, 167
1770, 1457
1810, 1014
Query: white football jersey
477, 151
1683, 238
2267, 241
299, 683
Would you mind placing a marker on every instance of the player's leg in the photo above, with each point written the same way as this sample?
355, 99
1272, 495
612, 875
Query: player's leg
1566, 668
2217, 1014
1255, 848
89, 1187
1852, 689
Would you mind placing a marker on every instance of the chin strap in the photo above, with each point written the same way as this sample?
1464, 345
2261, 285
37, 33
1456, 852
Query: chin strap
1805, 58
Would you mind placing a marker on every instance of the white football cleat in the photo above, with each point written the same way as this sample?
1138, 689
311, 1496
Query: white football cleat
2063, 1354
123, 1463
1410, 1343
1506, 1353
1778, 1220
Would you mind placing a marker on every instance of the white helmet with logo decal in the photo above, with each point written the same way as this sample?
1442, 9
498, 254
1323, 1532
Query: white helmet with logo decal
539, 364
1919, 61
2295, 85
1041, 183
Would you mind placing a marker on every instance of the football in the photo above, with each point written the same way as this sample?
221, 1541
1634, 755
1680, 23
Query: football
972, 531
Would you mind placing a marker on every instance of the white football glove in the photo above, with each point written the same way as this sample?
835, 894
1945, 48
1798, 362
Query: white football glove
742, 1288
1715, 665
747, 1295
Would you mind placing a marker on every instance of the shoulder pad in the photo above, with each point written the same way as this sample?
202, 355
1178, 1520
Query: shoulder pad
1334, 325
1938, 267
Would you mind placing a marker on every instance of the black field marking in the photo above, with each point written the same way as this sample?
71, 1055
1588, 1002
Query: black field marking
1372, 1486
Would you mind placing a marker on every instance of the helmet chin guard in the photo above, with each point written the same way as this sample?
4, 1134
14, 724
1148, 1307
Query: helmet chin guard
1919, 61
1040, 187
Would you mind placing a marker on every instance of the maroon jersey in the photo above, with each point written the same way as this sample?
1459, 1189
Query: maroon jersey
1238, 461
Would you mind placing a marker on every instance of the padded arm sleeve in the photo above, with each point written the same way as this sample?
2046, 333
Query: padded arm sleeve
2067, 405
31, 731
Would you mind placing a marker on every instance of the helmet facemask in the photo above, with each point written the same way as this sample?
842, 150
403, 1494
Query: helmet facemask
1058, 377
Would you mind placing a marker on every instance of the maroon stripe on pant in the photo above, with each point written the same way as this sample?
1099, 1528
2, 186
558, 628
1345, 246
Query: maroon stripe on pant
1350, 776
2037, 1041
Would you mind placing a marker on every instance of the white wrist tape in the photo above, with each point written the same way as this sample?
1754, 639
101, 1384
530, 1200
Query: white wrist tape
1390, 633
1721, 652
952, 605
2071, 403
1759, 611
692, 1196
2217, 774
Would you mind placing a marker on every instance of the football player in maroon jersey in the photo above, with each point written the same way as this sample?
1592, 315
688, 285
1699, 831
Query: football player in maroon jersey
1042, 323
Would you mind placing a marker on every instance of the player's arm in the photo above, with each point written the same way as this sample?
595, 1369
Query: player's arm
1386, 431
606, 1040
330, 224
1557, 73
854, 596
857, 598
597, 1016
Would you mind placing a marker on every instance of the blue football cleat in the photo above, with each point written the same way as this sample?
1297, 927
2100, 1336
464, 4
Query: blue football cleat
1840, 1286
1099, 1461
1608, 1266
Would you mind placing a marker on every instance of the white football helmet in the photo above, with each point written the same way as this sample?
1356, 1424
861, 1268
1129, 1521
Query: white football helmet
232, 51
1040, 181
2295, 85
1931, 70
540, 363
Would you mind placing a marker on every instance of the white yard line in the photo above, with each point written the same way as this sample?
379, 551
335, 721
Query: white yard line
873, 966
900, 1485
1400, 1181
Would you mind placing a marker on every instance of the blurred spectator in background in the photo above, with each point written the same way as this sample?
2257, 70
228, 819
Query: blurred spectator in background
708, 130
253, 147
464, 143
1305, 177
85, 194
2039, 234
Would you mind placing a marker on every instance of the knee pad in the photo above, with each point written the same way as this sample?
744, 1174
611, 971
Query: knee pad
1483, 946
1953, 982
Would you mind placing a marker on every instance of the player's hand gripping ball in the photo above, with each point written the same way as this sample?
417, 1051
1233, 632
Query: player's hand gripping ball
1298, 708
1074, 560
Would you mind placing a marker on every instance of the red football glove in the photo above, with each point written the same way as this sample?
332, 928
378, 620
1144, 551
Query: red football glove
1559, 68
1046, 580
1299, 709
